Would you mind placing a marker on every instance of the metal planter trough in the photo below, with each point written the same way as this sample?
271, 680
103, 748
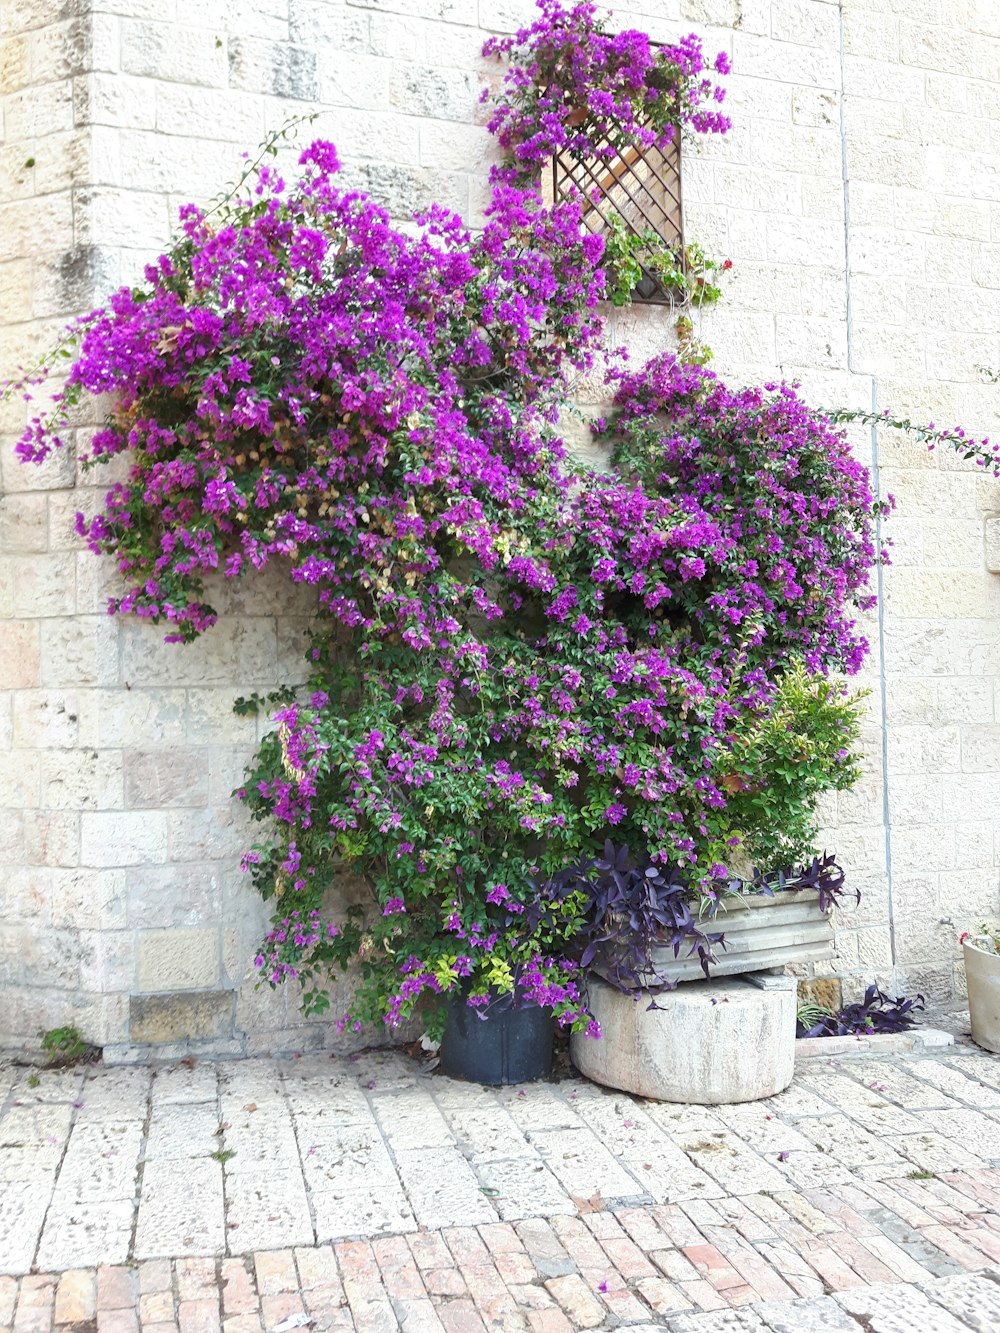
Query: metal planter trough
761, 931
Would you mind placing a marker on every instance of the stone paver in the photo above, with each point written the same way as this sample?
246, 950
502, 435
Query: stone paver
366, 1193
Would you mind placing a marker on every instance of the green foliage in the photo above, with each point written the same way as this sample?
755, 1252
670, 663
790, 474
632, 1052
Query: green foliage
64, 1045
691, 350
810, 1013
687, 275
778, 766
252, 705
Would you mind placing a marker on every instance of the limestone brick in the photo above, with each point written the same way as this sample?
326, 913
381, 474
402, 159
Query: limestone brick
260, 18
159, 778
966, 700
81, 779
172, 53
54, 473
195, 835
874, 950
279, 68
51, 837
39, 111
83, 649
353, 79
54, 719
210, 719
107, 960
123, 838
19, 653
58, 50
924, 593
157, 1019
121, 217
805, 242
949, 49
44, 585
186, 895
244, 650
981, 750
810, 341
438, 94
928, 749
23, 524
992, 532
177, 960
50, 957
86, 899
44, 224
6, 719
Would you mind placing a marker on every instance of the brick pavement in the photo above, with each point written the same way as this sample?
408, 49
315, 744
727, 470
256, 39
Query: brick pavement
866, 1196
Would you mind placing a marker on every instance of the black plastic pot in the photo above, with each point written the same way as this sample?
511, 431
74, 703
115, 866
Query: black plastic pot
498, 1044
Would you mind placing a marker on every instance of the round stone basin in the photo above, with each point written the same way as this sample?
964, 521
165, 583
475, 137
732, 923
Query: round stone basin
707, 1042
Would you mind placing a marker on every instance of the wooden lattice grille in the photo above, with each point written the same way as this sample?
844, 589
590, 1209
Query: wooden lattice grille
641, 186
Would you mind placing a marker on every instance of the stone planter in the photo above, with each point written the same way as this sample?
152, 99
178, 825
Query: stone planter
761, 932
982, 970
708, 1043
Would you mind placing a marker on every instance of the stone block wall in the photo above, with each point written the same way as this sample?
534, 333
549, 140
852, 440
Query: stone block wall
859, 198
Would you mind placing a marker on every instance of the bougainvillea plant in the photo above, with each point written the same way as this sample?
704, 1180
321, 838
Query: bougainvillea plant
511, 660
570, 84
984, 452
572, 87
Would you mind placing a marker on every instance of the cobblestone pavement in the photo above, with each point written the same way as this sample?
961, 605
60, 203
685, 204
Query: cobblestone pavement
866, 1196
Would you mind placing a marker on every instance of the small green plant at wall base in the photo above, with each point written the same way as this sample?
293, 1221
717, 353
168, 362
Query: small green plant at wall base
808, 1015
64, 1045
33, 1080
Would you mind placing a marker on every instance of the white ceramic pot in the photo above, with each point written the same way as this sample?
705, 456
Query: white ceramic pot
982, 969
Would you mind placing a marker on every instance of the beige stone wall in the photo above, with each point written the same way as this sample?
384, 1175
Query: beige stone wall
859, 198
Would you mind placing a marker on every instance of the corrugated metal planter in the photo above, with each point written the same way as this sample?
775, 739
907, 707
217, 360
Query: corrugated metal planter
762, 931
982, 971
